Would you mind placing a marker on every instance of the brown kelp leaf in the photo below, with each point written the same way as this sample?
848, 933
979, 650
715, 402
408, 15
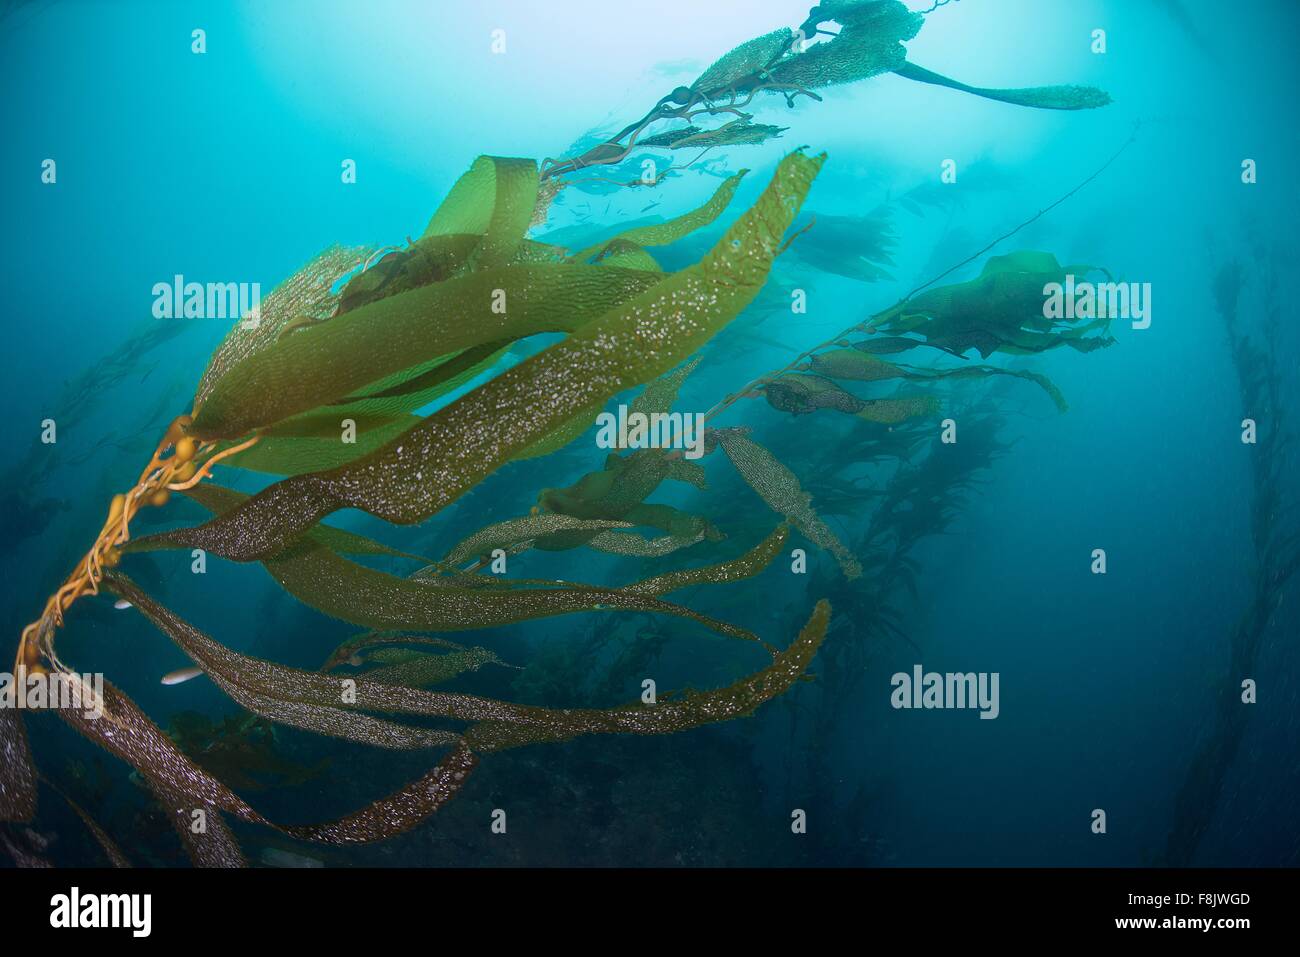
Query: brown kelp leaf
452, 450
114, 853
515, 531
212, 844
780, 489
740, 132
399, 812
17, 773
691, 710
126, 731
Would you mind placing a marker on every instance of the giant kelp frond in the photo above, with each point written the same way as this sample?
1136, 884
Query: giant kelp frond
406, 328
415, 475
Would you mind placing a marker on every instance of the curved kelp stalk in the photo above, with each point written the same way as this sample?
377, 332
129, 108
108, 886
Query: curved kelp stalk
366, 339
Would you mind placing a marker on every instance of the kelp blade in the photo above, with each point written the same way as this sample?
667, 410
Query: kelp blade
430, 466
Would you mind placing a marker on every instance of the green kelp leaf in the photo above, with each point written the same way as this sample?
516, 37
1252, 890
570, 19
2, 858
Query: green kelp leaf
424, 670
638, 546
746, 566
1039, 97
671, 230
742, 63
853, 364
691, 710
739, 132
661, 394
17, 773
626, 255
370, 639
870, 42
780, 489
218, 499
452, 450
801, 394
373, 599
431, 259
1003, 309
494, 199
856, 247
333, 359
858, 365
515, 531
306, 295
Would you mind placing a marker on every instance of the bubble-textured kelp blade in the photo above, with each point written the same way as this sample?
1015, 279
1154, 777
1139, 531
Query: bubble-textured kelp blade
691, 710
870, 42
333, 359
513, 531
17, 773
670, 231
114, 853
743, 62
746, 566
638, 546
212, 846
218, 499
780, 489
370, 639
307, 294
373, 599
127, 732
292, 685
423, 670
455, 448
1039, 97
399, 812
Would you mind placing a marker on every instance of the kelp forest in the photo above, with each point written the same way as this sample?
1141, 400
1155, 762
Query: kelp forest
452, 577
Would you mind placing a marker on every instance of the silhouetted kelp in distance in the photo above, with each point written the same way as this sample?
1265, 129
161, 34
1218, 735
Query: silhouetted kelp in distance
374, 336
1275, 541
869, 42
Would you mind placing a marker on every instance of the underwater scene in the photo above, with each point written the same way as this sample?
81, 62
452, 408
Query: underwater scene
595, 434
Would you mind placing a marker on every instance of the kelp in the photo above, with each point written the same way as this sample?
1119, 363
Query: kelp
869, 42
801, 393
415, 475
1002, 310
780, 489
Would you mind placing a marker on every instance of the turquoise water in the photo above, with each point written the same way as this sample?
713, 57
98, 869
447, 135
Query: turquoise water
226, 166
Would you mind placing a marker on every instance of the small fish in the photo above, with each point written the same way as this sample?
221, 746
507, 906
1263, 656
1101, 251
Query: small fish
650, 207
121, 604
181, 675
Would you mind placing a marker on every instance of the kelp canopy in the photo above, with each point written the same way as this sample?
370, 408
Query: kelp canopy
364, 341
